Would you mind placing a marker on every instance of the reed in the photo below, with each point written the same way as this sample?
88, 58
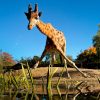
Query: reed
25, 76
49, 81
14, 81
30, 76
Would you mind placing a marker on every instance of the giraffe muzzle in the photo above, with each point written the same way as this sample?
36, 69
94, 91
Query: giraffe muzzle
30, 27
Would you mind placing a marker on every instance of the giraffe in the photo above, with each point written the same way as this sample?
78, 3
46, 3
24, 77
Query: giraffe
55, 43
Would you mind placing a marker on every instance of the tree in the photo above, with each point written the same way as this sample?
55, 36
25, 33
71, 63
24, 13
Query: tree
36, 58
6, 59
30, 61
96, 43
87, 57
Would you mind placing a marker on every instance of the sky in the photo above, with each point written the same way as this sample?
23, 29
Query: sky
77, 19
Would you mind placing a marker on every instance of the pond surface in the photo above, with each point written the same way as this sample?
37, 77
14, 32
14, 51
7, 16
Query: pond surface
88, 96
64, 92
72, 90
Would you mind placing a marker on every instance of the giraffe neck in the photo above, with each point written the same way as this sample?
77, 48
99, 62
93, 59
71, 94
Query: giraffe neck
43, 28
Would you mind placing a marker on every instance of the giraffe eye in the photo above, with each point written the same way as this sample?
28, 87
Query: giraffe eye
37, 17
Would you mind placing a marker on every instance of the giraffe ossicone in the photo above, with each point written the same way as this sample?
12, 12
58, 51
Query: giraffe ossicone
55, 42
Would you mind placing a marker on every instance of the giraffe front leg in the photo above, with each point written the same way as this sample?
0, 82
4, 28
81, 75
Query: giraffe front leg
42, 56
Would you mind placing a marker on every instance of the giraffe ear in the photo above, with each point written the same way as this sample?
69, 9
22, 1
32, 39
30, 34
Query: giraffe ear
40, 13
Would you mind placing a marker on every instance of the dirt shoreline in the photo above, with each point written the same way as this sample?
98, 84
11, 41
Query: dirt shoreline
42, 71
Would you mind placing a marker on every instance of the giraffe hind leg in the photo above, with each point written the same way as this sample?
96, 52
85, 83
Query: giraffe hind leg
71, 63
65, 65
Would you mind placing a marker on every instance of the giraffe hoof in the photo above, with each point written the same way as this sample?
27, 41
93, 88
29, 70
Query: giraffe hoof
69, 77
85, 75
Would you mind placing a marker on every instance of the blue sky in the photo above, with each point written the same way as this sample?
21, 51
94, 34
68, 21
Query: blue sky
78, 20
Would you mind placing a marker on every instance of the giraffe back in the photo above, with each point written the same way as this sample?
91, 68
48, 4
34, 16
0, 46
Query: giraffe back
56, 36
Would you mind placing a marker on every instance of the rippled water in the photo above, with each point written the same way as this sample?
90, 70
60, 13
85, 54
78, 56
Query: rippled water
89, 96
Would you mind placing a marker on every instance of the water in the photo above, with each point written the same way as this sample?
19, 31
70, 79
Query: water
88, 96
71, 90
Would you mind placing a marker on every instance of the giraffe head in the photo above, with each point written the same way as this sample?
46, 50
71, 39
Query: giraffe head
32, 16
